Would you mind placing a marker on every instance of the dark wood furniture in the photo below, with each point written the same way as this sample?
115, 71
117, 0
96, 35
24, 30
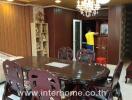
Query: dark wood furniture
74, 71
65, 53
111, 86
101, 46
129, 72
77, 73
42, 81
14, 80
85, 56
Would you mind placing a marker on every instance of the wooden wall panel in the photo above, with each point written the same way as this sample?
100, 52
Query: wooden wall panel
60, 23
63, 28
15, 29
49, 18
60, 28
115, 28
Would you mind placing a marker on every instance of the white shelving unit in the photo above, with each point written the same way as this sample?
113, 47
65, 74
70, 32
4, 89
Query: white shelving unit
40, 39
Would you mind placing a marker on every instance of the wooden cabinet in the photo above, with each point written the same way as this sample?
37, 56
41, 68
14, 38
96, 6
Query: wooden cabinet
101, 46
40, 41
101, 40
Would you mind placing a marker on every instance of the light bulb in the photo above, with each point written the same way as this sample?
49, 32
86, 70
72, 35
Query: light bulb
103, 1
57, 1
10, 0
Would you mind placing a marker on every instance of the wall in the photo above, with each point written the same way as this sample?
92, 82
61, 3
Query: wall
60, 28
15, 29
115, 29
127, 33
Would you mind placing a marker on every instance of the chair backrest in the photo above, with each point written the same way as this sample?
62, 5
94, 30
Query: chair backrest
14, 75
65, 53
117, 73
85, 56
42, 81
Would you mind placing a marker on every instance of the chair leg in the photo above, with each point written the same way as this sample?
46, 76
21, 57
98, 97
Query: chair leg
6, 91
126, 80
120, 97
119, 94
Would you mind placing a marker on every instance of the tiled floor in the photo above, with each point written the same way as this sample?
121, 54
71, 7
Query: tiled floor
125, 88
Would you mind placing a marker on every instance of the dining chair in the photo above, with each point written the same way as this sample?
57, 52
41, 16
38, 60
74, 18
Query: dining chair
42, 82
14, 80
111, 86
129, 72
85, 56
65, 53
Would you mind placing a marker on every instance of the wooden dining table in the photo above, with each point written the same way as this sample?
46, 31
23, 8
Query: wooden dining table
66, 69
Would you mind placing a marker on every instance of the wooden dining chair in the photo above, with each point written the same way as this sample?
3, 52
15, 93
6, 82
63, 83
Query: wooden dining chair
43, 81
129, 72
14, 80
85, 56
65, 53
111, 86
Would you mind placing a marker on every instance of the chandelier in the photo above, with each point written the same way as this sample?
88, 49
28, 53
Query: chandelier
88, 7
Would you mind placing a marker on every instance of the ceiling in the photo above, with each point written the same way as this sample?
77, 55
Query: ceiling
68, 3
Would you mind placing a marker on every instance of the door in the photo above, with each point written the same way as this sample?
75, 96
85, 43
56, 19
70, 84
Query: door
77, 36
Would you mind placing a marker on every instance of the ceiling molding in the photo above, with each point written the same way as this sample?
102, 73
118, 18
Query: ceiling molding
59, 7
106, 8
50, 6
20, 4
6, 2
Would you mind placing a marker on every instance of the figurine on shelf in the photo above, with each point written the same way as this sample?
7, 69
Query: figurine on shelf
43, 37
39, 17
38, 46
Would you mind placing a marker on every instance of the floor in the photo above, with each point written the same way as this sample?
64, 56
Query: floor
125, 88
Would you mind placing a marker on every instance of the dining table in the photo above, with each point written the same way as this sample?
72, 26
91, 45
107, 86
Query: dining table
65, 69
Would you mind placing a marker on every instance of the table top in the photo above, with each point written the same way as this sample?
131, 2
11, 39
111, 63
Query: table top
74, 69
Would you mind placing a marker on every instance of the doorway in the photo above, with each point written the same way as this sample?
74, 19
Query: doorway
80, 29
77, 37
85, 25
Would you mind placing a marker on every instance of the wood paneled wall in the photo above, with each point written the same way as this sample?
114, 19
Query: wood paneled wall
15, 29
60, 22
115, 29
60, 28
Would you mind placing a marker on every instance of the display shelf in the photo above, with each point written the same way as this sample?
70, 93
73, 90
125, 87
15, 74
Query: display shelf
39, 34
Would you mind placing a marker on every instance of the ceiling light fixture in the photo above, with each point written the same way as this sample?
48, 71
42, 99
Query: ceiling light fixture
88, 7
10, 0
103, 1
57, 1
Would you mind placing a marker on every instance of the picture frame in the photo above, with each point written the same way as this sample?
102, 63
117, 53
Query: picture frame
104, 29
